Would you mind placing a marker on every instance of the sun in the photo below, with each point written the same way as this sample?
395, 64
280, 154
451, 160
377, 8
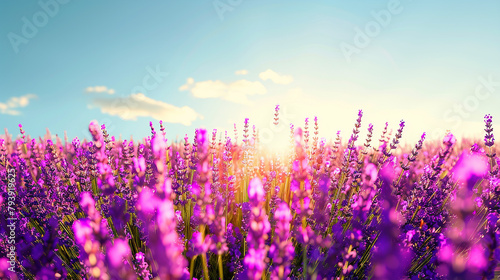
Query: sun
276, 143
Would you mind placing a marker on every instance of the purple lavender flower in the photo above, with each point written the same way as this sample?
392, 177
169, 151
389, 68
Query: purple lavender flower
276, 115
142, 268
282, 249
157, 206
118, 259
459, 255
257, 233
391, 261
489, 139
90, 236
234, 240
218, 227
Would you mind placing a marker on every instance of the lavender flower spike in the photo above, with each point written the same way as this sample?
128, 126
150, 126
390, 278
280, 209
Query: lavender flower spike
282, 250
257, 232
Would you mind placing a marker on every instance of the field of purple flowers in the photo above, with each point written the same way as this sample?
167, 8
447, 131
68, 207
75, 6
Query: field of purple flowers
212, 208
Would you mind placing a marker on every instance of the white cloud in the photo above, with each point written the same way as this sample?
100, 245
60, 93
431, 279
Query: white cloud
139, 105
241, 72
236, 92
275, 77
15, 102
189, 83
100, 89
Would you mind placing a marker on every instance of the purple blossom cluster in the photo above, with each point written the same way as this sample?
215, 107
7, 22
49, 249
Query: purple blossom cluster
213, 208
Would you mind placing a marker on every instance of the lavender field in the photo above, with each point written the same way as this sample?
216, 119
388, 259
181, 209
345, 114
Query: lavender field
213, 207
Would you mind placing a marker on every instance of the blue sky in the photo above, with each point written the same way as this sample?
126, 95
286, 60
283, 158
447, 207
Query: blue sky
212, 63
